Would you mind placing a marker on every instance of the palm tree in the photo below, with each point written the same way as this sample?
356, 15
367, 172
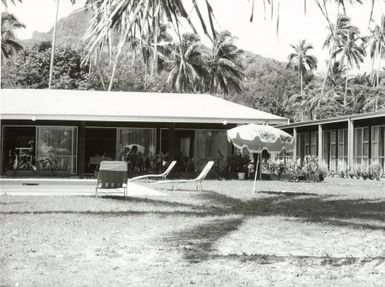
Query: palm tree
225, 72
122, 21
5, 2
9, 45
187, 67
351, 48
377, 46
301, 61
334, 29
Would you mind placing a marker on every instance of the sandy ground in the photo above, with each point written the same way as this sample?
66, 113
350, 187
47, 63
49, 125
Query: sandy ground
288, 234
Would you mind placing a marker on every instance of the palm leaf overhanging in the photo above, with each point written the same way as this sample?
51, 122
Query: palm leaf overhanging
117, 21
9, 24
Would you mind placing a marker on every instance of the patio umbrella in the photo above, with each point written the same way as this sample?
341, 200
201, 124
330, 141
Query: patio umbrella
259, 137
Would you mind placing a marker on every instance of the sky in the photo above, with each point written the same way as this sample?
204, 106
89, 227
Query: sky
258, 36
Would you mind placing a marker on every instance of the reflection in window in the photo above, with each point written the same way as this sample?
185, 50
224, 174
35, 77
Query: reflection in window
56, 148
213, 145
143, 139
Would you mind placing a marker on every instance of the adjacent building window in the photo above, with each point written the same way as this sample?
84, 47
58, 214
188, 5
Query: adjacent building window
378, 146
56, 148
314, 143
361, 147
307, 144
342, 149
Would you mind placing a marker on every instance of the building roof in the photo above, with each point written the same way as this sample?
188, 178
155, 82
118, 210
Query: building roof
18, 104
353, 117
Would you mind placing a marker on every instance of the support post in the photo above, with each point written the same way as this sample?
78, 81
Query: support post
350, 144
295, 145
320, 146
82, 149
171, 142
1, 149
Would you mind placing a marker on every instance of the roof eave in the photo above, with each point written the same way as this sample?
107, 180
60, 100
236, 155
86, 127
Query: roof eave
146, 119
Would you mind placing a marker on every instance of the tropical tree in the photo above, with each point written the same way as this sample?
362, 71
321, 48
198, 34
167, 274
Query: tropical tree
187, 67
122, 21
301, 61
377, 47
9, 24
225, 72
351, 49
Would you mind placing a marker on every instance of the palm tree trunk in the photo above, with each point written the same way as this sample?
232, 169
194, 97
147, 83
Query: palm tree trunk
332, 50
372, 70
379, 64
154, 67
346, 85
301, 85
53, 48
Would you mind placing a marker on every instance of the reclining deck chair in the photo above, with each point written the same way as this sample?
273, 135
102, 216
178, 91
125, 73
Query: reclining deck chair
198, 180
112, 175
162, 175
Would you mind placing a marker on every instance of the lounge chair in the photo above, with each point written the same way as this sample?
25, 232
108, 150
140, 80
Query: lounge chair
162, 175
198, 180
112, 175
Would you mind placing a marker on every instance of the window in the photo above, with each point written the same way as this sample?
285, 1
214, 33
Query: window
212, 144
143, 139
56, 148
333, 151
361, 147
333, 144
307, 144
314, 143
342, 149
378, 146
19, 148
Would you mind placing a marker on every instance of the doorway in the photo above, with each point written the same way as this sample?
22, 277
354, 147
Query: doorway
100, 144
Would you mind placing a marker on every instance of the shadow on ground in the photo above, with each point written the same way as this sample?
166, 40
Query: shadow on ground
196, 243
226, 214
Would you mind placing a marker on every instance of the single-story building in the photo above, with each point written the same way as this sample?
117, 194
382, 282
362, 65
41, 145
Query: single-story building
343, 143
72, 131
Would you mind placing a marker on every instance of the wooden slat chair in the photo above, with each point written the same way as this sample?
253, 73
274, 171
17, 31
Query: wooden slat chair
112, 175
162, 175
198, 180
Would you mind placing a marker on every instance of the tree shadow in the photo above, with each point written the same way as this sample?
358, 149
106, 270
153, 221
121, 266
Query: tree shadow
301, 260
197, 243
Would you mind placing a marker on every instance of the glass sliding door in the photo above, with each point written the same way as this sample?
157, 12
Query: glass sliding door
19, 148
100, 144
137, 146
56, 148
213, 145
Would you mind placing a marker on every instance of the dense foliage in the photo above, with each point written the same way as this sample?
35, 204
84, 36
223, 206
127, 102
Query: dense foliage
185, 65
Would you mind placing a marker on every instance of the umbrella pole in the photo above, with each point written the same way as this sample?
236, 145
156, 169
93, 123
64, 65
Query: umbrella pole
256, 173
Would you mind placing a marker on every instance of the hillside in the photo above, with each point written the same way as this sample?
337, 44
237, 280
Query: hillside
70, 30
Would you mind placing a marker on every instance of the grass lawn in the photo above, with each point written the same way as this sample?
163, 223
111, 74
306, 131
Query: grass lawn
288, 234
